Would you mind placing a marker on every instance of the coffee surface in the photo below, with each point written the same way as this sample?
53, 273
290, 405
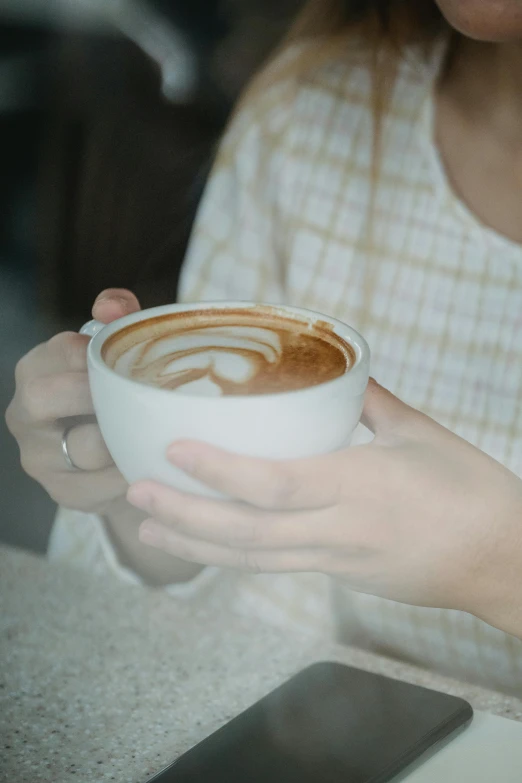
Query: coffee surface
228, 352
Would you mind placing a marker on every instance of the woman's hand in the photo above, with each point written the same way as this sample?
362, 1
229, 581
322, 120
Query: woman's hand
52, 392
418, 516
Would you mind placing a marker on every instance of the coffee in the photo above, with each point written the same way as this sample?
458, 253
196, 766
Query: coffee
241, 351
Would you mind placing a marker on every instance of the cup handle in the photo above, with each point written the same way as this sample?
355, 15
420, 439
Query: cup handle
91, 328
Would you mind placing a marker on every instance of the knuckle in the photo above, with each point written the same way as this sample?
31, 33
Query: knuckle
26, 362
61, 340
21, 368
34, 399
10, 418
248, 562
285, 487
49, 397
71, 346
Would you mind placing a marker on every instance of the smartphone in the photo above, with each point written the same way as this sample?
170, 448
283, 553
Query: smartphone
329, 724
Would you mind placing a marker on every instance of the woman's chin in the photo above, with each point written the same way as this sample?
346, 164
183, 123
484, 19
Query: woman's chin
485, 20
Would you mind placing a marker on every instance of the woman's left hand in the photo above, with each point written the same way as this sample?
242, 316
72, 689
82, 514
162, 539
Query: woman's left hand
418, 515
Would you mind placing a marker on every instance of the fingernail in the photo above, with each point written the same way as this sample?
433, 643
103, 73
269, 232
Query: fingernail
120, 300
124, 304
182, 458
139, 497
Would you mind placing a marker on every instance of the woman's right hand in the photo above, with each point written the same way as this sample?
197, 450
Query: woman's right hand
52, 392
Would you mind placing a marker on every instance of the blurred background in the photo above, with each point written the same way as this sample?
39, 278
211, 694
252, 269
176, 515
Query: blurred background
110, 112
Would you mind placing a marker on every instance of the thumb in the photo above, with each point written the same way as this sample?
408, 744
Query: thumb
383, 411
114, 303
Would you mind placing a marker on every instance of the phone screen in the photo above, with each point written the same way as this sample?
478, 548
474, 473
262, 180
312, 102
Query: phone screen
328, 724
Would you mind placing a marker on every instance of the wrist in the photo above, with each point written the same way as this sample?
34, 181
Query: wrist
502, 609
504, 614
496, 584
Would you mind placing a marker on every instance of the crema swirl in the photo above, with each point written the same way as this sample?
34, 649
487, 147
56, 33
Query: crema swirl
215, 352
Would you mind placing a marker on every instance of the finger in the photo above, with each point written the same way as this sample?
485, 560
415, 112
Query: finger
269, 484
234, 525
65, 352
194, 551
384, 413
41, 453
86, 447
52, 397
85, 491
114, 303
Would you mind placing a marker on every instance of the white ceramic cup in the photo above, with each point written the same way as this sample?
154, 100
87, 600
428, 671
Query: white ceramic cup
139, 422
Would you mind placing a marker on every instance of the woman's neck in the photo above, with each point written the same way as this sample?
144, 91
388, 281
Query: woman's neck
478, 129
485, 81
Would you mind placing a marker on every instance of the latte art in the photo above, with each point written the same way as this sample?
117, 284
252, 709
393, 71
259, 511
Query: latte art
222, 352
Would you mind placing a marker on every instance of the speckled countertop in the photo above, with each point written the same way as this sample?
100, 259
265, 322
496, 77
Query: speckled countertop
101, 681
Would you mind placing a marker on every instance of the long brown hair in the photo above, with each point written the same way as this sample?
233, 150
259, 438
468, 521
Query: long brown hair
384, 28
381, 30
396, 22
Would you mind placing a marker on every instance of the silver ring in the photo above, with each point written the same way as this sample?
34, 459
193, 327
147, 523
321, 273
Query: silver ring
65, 451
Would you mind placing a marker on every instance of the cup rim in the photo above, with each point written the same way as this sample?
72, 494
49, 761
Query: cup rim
347, 333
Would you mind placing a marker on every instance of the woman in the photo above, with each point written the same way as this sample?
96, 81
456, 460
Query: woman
371, 174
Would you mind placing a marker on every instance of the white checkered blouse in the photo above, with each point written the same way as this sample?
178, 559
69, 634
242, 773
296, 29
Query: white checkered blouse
287, 217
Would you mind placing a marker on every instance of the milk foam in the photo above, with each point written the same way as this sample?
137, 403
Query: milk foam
229, 352
197, 360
